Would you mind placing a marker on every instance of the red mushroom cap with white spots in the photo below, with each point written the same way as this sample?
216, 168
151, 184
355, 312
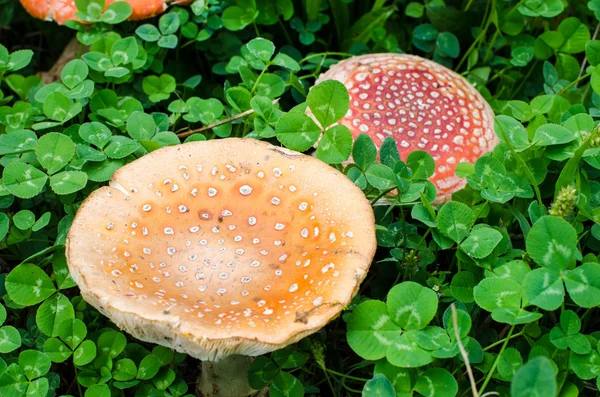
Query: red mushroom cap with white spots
223, 247
62, 11
422, 105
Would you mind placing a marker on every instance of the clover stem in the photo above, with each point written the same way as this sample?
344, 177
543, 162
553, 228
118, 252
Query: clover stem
404, 234
481, 209
502, 341
499, 74
350, 389
329, 380
516, 6
415, 250
488, 52
572, 83
381, 194
495, 363
522, 163
582, 69
258, 79
483, 31
325, 54
526, 77
422, 239
285, 32
256, 29
77, 381
346, 376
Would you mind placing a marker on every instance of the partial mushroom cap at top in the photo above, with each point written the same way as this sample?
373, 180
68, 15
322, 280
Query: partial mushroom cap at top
223, 247
422, 105
62, 11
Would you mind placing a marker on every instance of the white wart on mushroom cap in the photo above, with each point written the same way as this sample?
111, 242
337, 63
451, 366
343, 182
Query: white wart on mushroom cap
223, 247
62, 11
422, 105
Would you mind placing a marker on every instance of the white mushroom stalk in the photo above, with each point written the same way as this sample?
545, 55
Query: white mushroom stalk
224, 247
423, 106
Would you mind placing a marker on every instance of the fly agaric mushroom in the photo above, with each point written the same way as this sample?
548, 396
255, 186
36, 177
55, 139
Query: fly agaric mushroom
62, 11
422, 105
223, 247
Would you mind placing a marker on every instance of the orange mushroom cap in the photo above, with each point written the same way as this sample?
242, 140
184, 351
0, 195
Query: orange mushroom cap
423, 106
62, 11
230, 246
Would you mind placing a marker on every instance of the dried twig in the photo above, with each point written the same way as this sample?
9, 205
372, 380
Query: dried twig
463, 352
220, 122
73, 50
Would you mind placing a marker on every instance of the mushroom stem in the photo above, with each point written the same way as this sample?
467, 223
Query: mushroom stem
227, 377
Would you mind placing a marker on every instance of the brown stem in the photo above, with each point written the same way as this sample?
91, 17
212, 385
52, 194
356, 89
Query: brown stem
71, 51
220, 122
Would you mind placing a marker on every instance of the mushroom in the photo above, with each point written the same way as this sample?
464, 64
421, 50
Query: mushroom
224, 247
62, 11
423, 106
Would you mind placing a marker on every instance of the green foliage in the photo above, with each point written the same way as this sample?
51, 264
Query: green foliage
516, 251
